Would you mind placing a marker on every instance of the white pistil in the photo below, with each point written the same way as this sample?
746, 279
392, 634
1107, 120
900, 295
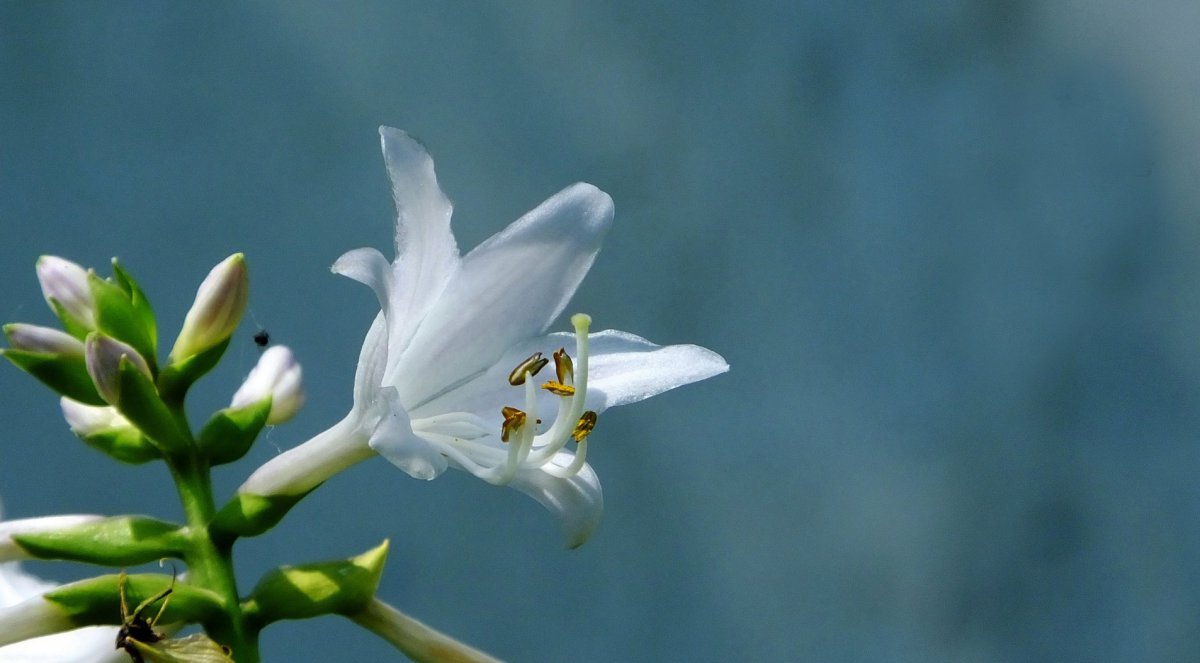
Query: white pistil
570, 408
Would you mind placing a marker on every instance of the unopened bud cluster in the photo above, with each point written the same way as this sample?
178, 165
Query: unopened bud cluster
103, 360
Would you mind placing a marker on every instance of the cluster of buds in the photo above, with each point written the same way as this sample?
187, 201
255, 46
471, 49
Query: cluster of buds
103, 362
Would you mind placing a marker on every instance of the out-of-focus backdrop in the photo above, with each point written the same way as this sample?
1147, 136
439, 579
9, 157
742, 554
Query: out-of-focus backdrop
950, 250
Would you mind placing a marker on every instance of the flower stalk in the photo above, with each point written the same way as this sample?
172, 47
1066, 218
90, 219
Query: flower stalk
415, 639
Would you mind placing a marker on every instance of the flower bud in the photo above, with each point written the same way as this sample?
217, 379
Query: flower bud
108, 431
86, 420
65, 287
104, 355
218, 308
11, 551
277, 375
42, 340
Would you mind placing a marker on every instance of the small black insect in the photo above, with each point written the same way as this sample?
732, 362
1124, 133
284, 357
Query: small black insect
145, 645
136, 627
262, 338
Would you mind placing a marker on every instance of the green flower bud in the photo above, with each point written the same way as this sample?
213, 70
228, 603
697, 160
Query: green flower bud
217, 310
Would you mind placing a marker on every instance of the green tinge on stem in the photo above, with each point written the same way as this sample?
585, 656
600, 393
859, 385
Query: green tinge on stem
210, 564
416, 640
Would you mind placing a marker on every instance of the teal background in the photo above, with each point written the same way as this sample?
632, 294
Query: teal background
950, 250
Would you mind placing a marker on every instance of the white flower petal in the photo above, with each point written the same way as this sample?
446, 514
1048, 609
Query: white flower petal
372, 362
369, 267
16, 585
394, 439
577, 502
508, 289
426, 253
624, 368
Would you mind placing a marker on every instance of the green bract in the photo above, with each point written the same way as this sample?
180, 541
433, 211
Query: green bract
139, 402
118, 317
65, 374
138, 300
178, 376
229, 433
251, 515
127, 445
343, 587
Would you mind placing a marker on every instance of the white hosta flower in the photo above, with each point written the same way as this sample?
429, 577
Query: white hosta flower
23, 614
278, 376
66, 283
449, 376
217, 309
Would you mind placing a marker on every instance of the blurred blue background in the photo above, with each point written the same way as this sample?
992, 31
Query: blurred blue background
950, 250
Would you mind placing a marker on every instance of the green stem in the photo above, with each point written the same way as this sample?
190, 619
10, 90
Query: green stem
211, 566
416, 640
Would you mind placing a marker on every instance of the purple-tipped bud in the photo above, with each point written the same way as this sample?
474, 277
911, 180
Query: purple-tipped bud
276, 375
104, 354
42, 340
66, 283
218, 308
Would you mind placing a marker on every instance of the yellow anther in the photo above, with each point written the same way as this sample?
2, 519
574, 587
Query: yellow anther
514, 419
563, 366
584, 426
559, 389
530, 366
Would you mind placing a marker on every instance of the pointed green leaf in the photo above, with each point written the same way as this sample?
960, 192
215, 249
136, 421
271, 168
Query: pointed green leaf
142, 406
229, 433
141, 305
120, 541
65, 374
117, 317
